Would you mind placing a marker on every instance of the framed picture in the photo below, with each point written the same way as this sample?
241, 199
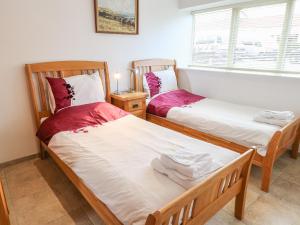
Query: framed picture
117, 16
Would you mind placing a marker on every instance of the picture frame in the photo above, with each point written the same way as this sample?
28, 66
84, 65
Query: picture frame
117, 16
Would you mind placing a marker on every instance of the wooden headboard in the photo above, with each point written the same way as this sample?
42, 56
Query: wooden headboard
36, 74
149, 65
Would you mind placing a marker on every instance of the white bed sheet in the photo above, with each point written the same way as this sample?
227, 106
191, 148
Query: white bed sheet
113, 160
230, 121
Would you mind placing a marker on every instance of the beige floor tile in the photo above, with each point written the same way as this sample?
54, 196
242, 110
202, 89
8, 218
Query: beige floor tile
2, 174
20, 167
64, 220
37, 201
268, 210
20, 189
23, 182
70, 198
252, 196
39, 208
92, 215
292, 172
17, 177
223, 218
286, 191
77, 217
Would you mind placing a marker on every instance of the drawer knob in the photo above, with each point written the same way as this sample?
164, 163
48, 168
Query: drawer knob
135, 106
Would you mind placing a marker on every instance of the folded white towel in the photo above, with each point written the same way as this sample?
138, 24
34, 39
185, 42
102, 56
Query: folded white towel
178, 178
193, 171
274, 117
280, 123
185, 158
172, 174
277, 115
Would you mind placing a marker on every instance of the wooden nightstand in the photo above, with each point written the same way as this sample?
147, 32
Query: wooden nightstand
134, 103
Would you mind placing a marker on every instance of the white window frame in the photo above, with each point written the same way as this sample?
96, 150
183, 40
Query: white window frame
236, 8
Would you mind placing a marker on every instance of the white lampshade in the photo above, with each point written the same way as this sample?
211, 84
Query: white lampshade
117, 76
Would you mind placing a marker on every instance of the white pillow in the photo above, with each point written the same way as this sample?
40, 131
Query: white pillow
145, 86
168, 81
87, 89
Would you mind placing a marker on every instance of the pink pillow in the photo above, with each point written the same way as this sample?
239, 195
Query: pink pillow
62, 92
75, 90
154, 83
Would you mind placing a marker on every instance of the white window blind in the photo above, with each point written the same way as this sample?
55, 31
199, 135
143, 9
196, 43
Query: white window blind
211, 41
292, 57
259, 37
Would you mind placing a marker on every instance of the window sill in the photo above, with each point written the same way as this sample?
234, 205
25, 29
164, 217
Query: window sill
242, 72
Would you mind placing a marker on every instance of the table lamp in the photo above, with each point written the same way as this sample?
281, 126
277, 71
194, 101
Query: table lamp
117, 78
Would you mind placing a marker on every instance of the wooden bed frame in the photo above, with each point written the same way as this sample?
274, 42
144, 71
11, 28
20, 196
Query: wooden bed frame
197, 205
284, 138
4, 214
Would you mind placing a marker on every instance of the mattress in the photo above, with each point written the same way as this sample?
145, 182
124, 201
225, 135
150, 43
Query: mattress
230, 121
113, 160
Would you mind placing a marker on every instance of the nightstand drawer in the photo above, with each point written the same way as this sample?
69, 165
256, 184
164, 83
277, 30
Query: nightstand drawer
135, 105
139, 113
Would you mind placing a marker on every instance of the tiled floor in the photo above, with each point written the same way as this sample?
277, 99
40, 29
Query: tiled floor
38, 193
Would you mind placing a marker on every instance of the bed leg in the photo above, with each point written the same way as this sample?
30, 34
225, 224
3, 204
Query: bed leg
43, 154
240, 201
295, 150
266, 178
295, 147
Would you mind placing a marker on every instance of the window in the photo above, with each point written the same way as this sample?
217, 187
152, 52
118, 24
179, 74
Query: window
259, 37
212, 32
292, 57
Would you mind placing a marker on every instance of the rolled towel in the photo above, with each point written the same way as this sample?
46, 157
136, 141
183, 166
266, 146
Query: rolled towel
280, 123
274, 117
173, 175
184, 181
277, 115
193, 171
185, 158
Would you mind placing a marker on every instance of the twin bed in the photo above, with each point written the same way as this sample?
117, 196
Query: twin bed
109, 162
222, 123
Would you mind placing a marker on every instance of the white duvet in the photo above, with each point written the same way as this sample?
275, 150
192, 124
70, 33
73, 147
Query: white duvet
114, 159
227, 120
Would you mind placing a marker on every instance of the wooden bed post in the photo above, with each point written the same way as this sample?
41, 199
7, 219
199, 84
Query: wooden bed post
267, 171
295, 147
152, 219
240, 199
269, 160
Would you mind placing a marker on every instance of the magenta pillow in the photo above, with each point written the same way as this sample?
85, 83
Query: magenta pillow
62, 92
75, 90
154, 83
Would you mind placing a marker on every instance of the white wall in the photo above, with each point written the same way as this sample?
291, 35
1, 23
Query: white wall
273, 92
35, 31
